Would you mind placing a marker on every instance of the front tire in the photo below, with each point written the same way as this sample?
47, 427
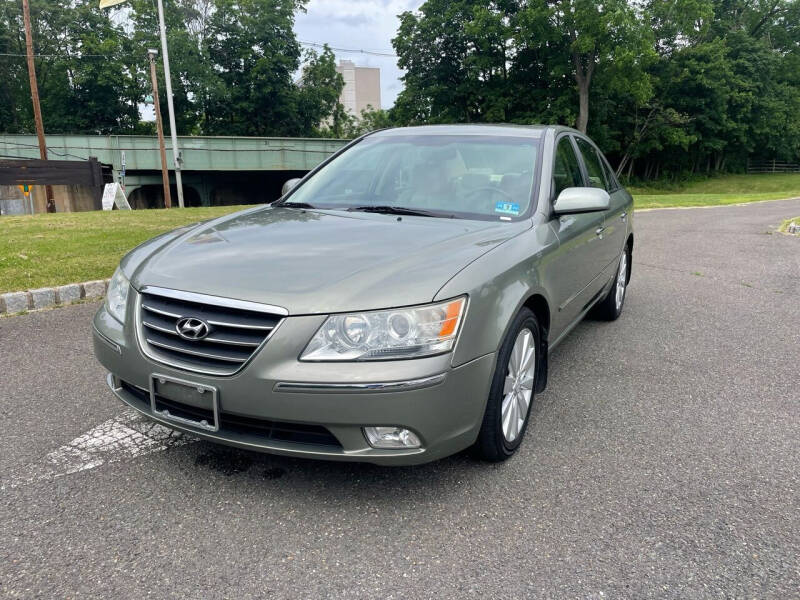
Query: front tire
512, 391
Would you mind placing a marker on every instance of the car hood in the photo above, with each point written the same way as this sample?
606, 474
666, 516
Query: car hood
312, 261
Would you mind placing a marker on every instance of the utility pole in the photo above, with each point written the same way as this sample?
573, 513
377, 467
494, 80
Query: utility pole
37, 110
168, 81
151, 54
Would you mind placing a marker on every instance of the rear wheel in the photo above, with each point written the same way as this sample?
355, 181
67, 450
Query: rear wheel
511, 395
610, 308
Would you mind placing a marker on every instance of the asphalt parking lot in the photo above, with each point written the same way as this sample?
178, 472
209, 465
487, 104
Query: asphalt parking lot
663, 461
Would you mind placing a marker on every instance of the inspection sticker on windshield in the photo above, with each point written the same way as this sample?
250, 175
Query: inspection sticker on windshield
507, 208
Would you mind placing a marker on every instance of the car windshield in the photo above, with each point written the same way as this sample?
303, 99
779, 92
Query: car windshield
461, 176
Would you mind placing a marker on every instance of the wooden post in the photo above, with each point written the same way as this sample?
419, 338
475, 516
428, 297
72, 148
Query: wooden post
37, 109
160, 128
97, 182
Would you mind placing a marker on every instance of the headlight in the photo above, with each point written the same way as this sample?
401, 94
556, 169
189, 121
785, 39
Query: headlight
117, 296
388, 334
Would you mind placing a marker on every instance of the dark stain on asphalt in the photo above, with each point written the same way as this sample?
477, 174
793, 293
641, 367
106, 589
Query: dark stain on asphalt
274, 473
225, 462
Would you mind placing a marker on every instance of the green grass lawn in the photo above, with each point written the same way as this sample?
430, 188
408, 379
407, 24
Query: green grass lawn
47, 250
728, 189
54, 249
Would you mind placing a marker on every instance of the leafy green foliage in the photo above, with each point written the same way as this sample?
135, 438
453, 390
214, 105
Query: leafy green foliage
86, 86
233, 67
666, 88
318, 98
347, 126
471, 61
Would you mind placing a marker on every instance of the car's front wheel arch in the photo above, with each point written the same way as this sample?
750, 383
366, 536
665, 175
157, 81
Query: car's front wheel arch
538, 305
512, 390
629, 246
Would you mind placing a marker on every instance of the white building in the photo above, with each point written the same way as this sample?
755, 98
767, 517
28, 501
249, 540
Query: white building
362, 87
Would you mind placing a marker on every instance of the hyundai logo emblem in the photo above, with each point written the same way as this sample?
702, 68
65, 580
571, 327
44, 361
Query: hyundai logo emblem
190, 328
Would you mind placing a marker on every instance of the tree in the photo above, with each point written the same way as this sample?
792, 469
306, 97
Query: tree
10, 69
370, 119
610, 38
666, 87
318, 96
725, 86
473, 61
233, 64
194, 81
433, 46
84, 75
255, 53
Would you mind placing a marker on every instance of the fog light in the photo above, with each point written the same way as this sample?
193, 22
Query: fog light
391, 437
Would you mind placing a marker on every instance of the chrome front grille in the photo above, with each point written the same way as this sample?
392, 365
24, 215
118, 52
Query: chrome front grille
236, 330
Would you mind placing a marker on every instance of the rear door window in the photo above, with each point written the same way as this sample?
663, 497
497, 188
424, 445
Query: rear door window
610, 177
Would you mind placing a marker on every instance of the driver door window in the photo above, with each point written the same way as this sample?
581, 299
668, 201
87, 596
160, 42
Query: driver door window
566, 171
578, 263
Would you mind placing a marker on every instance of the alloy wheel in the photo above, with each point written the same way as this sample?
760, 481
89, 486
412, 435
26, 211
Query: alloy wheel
518, 386
622, 276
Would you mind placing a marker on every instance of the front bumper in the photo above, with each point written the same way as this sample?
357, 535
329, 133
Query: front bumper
443, 405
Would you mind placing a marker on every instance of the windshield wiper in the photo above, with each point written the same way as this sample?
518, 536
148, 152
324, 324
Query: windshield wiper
386, 209
296, 205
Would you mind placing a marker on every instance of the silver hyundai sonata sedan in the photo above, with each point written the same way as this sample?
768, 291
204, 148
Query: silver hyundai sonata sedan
394, 306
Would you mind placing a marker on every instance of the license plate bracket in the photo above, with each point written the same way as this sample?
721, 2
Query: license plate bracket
184, 402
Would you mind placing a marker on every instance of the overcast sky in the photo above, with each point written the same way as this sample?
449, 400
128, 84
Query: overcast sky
358, 24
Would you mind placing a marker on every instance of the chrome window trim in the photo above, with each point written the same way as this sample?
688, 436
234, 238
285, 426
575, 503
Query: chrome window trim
214, 300
339, 388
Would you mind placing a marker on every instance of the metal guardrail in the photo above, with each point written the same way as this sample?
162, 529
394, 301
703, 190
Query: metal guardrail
772, 166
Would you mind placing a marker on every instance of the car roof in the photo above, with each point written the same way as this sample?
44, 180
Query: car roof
504, 130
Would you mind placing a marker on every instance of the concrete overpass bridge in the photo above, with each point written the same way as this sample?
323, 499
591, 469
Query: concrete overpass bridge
217, 170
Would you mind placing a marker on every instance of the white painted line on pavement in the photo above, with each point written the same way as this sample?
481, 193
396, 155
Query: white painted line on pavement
126, 436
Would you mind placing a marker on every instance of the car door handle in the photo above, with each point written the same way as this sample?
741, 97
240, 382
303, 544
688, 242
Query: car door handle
624, 216
599, 231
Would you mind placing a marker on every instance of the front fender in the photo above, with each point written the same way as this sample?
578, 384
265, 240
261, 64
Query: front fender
499, 283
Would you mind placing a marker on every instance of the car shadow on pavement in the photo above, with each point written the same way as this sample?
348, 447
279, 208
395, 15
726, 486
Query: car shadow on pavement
304, 479
224, 461
329, 480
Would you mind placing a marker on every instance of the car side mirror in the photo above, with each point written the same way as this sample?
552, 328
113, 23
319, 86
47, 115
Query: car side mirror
581, 200
287, 187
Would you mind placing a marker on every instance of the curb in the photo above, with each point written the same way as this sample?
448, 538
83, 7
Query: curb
12, 303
